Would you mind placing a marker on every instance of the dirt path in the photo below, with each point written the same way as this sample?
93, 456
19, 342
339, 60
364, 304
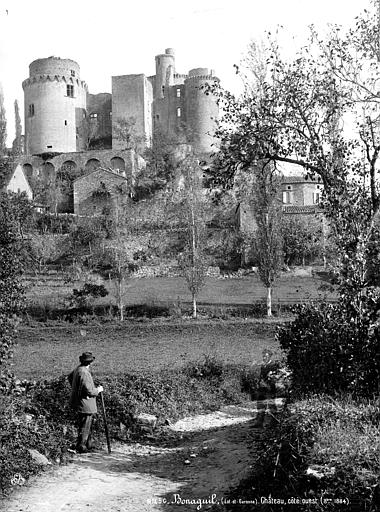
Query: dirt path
214, 455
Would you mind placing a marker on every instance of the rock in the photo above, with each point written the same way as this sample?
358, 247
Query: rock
147, 420
187, 461
319, 472
38, 457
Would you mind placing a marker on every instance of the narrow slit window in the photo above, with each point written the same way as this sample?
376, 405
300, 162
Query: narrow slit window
178, 93
31, 110
178, 111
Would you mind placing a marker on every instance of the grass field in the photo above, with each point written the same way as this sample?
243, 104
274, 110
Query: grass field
50, 351
244, 290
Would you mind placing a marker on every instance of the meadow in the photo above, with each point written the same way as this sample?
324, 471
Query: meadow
50, 350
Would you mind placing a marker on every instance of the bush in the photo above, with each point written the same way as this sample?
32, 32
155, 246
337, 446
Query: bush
37, 415
331, 349
321, 448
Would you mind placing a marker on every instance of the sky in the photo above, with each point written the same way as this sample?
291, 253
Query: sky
120, 37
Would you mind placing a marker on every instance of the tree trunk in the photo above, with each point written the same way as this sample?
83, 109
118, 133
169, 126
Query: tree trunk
269, 301
194, 306
120, 300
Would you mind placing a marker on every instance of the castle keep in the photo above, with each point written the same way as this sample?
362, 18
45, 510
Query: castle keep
62, 117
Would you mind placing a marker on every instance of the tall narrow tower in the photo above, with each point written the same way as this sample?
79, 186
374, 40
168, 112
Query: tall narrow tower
202, 110
165, 69
55, 106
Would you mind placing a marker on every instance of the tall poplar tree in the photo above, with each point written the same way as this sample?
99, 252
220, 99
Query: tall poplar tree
3, 125
17, 143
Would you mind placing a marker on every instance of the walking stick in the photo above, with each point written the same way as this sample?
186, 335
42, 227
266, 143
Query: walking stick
105, 423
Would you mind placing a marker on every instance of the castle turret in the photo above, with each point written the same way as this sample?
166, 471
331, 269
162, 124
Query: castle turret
165, 69
201, 109
55, 106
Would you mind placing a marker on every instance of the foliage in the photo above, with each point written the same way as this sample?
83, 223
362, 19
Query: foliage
17, 148
83, 297
11, 289
37, 414
330, 348
321, 449
161, 167
302, 239
48, 248
267, 237
3, 125
295, 111
125, 134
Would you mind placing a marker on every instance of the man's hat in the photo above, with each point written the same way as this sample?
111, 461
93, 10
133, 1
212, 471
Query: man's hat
86, 357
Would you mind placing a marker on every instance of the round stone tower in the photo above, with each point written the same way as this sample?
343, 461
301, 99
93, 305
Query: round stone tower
165, 69
55, 106
202, 110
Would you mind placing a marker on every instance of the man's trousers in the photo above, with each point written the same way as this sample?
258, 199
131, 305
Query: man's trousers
84, 424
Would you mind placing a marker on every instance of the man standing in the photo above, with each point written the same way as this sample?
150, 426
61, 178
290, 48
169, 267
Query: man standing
83, 400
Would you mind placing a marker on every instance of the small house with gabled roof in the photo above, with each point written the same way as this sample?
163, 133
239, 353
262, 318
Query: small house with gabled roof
15, 180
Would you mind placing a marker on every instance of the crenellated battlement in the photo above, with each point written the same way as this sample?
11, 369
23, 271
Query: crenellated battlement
55, 78
203, 77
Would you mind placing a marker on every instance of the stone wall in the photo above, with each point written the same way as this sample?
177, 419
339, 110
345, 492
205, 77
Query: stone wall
99, 191
132, 98
85, 161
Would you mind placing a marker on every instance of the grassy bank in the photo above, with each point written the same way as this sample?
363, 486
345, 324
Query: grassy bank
325, 453
49, 350
245, 290
37, 415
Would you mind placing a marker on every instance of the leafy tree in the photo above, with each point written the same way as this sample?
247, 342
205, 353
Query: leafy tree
303, 239
320, 112
296, 115
85, 296
125, 134
118, 261
11, 289
267, 238
161, 166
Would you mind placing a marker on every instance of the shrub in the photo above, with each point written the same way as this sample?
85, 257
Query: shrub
330, 348
320, 449
37, 415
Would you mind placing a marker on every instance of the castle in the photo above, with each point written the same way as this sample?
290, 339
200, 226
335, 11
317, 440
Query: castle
67, 128
62, 117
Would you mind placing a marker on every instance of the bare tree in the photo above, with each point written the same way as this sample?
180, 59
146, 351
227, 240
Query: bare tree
193, 207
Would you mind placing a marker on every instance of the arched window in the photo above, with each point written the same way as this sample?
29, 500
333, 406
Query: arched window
47, 171
28, 170
92, 164
117, 163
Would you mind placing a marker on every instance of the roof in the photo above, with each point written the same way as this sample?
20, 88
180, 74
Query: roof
299, 179
7, 170
112, 173
292, 208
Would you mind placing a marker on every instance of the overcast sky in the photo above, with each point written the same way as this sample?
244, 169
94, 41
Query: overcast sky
118, 37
